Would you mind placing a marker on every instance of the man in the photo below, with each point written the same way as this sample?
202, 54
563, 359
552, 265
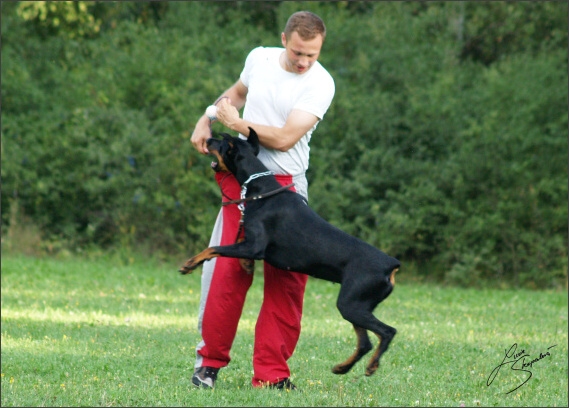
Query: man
285, 93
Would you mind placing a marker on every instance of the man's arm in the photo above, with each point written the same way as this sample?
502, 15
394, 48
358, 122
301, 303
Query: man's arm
297, 124
228, 106
237, 93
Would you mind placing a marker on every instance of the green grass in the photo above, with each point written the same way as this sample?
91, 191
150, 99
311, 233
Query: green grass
100, 331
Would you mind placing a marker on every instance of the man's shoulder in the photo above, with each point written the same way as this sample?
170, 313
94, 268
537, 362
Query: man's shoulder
322, 73
264, 52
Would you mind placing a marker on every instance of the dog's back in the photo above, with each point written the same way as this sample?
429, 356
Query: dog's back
302, 241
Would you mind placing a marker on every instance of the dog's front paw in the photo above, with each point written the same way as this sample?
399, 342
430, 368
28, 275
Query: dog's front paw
189, 266
248, 265
197, 260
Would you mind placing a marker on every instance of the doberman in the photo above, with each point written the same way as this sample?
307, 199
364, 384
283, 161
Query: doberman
282, 229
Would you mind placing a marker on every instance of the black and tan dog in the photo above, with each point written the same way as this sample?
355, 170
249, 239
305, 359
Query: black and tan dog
282, 229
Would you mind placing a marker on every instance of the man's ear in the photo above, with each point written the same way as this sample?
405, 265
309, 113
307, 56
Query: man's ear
253, 140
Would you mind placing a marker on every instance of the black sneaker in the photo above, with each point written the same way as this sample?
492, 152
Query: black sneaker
205, 377
284, 385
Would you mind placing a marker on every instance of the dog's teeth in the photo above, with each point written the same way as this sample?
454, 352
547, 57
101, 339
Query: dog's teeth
213, 165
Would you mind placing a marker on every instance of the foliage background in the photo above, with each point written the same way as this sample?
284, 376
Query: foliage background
445, 146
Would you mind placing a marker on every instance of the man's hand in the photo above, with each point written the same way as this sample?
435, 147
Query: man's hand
201, 133
227, 114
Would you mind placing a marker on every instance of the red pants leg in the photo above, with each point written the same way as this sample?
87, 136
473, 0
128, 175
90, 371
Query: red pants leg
226, 288
278, 327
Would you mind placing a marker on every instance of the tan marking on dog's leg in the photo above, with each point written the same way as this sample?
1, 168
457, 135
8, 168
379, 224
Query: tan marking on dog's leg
384, 342
247, 264
197, 260
374, 360
344, 367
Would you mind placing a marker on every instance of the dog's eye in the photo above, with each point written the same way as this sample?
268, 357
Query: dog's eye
224, 147
229, 148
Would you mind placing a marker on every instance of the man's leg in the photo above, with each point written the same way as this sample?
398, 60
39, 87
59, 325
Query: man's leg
278, 326
224, 288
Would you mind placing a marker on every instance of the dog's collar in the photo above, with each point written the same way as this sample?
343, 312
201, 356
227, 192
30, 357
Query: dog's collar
241, 201
253, 177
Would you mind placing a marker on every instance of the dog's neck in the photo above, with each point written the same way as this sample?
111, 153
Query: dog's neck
253, 176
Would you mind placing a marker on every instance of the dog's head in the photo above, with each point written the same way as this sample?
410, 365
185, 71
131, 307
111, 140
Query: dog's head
229, 150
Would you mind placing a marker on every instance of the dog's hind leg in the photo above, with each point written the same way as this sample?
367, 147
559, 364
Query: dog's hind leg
352, 307
357, 308
364, 322
387, 334
384, 332
363, 346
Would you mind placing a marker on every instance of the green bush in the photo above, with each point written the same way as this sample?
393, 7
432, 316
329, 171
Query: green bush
445, 144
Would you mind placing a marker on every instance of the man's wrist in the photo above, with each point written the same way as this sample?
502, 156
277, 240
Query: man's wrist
240, 126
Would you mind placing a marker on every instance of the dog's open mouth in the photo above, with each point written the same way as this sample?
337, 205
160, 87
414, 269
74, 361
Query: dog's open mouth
217, 162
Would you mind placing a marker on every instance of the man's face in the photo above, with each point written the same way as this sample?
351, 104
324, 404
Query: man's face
300, 54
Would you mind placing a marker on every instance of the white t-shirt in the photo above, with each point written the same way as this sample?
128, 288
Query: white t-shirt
272, 94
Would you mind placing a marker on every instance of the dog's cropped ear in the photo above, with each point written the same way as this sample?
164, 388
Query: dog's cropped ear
253, 140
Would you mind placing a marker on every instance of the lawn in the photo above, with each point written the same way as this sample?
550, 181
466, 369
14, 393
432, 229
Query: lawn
107, 331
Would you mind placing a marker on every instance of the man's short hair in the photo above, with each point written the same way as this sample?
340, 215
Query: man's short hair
308, 25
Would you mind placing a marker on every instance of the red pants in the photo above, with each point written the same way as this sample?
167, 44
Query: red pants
224, 288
